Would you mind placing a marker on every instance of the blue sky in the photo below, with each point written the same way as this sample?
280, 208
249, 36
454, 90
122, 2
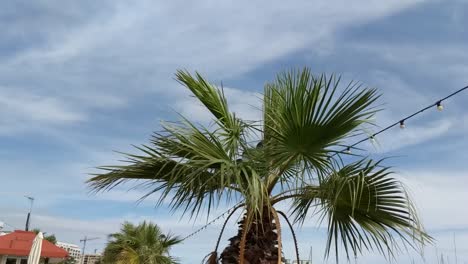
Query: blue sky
81, 79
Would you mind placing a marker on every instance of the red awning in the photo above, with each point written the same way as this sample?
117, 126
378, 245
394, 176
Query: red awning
19, 243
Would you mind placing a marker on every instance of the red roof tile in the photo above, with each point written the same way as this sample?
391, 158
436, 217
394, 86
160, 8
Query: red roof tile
19, 243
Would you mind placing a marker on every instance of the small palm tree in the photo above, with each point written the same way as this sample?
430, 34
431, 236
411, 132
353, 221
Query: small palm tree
306, 121
142, 244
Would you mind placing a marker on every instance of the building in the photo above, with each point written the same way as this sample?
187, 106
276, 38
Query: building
15, 248
91, 259
73, 250
3, 232
289, 261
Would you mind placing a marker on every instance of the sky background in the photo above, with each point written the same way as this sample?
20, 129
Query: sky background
81, 79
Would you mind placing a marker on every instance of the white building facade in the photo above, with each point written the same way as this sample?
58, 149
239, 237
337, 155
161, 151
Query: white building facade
91, 259
73, 250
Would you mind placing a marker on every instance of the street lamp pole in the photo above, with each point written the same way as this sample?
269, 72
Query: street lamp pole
28, 219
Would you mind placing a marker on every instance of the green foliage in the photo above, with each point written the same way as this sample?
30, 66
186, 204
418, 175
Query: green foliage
141, 244
364, 208
51, 238
306, 119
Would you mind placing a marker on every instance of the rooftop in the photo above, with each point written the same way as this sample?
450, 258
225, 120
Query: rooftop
19, 243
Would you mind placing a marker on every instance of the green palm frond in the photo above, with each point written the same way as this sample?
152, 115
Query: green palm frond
305, 118
144, 243
215, 102
190, 166
128, 256
366, 208
209, 95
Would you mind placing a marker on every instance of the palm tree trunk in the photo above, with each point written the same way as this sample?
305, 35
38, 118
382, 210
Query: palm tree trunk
261, 243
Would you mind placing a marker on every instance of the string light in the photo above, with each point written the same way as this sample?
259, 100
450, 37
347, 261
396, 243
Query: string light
348, 150
439, 105
372, 138
402, 124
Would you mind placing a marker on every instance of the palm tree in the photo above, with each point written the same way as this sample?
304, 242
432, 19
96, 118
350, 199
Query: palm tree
297, 160
142, 244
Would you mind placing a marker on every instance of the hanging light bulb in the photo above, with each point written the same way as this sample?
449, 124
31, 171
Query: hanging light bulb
372, 138
260, 144
348, 150
439, 105
402, 124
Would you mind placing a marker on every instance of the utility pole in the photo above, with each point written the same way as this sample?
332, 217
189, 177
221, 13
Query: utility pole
84, 240
28, 219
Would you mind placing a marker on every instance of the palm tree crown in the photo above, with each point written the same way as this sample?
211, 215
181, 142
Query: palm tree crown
306, 120
141, 244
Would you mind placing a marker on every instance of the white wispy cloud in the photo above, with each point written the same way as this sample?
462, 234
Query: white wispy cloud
438, 195
444, 59
21, 110
411, 135
128, 50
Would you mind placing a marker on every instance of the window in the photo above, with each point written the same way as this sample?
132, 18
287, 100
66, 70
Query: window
24, 261
10, 261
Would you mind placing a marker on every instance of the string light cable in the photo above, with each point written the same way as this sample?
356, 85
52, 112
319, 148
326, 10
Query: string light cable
401, 122
212, 221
